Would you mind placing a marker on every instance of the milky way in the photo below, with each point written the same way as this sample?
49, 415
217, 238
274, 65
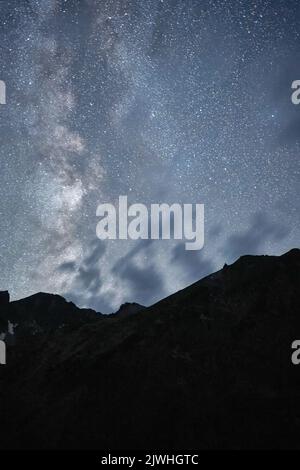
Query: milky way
163, 101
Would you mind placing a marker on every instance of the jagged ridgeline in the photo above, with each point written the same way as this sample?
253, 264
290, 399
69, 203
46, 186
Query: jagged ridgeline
4, 305
208, 367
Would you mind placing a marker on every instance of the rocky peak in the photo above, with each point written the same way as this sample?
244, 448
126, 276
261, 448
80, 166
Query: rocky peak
4, 298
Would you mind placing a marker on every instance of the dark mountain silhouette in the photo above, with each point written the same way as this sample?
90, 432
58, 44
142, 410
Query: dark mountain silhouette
46, 312
129, 308
208, 367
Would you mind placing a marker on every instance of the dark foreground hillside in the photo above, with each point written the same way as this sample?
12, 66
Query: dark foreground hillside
209, 367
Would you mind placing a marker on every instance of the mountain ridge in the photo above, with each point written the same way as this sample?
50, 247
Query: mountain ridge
208, 367
46, 295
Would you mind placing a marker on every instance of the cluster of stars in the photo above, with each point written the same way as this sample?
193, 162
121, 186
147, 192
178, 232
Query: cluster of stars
160, 100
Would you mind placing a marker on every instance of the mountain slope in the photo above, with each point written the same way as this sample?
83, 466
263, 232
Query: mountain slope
208, 367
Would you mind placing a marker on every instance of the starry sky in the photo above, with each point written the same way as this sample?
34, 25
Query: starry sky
161, 100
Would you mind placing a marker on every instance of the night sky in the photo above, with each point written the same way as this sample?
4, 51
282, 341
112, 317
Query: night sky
163, 101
